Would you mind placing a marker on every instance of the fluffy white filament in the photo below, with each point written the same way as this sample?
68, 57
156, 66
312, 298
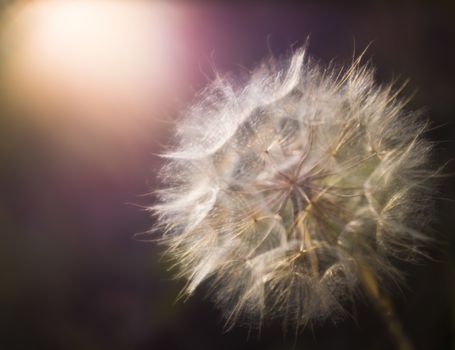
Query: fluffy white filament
278, 194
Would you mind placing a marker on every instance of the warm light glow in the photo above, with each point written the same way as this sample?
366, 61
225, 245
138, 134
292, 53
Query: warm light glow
98, 57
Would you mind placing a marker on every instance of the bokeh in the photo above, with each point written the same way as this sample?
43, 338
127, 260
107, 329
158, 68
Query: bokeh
89, 93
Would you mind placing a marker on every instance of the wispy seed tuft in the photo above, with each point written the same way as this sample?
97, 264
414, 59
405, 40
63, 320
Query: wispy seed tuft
284, 195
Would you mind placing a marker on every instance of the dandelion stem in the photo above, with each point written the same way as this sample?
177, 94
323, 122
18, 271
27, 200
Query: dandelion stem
386, 309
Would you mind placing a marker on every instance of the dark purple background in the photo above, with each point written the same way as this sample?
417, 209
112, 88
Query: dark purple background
73, 277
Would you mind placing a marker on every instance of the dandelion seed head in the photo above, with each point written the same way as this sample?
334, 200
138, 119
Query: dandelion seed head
277, 194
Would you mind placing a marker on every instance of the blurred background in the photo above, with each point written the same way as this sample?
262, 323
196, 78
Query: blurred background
88, 91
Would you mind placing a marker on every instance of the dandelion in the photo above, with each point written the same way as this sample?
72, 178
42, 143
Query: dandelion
285, 195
